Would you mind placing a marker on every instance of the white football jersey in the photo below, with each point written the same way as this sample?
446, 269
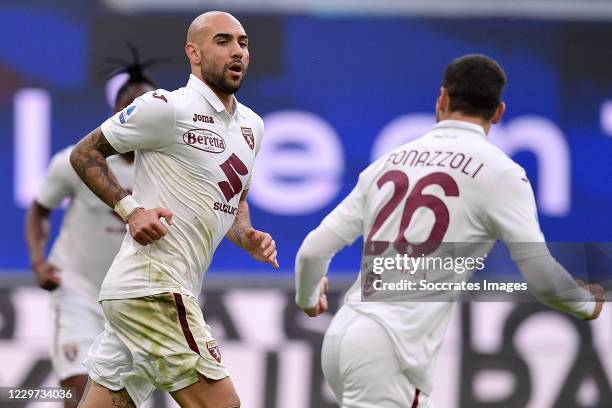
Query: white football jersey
91, 233
450, 185
194, 159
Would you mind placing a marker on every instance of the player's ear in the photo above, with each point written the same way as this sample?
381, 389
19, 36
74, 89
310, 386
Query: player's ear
443, 100
193, 53
499, 112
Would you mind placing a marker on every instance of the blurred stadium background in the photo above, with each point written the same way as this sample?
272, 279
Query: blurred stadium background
338, 82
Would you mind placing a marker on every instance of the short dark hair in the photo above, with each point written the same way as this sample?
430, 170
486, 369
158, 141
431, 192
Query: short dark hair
136, 77
475, 84
134, 69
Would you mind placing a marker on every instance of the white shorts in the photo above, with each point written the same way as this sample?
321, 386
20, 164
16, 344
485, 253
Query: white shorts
76, 324
360, 365
159, 341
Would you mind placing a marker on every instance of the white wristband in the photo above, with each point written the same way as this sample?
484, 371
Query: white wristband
126, 206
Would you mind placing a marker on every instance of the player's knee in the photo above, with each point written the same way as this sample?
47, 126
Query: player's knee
234, 402
121, 399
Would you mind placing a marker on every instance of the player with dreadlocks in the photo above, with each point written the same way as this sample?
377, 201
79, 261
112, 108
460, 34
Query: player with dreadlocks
90, 236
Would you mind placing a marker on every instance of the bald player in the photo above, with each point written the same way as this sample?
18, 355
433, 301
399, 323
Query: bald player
194, 148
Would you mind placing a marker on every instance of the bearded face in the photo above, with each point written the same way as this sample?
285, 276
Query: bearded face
226, 76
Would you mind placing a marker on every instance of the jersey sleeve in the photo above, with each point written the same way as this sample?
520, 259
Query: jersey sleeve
259, 140
258, 143
346, 220
312, 262
555, 287
59, 183
146, 124
512, 215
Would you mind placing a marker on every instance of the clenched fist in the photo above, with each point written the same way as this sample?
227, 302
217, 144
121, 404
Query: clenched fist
145, 226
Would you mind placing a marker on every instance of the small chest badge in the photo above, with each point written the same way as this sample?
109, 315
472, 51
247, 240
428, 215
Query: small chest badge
248, 136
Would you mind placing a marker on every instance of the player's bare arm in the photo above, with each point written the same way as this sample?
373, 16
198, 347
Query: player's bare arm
242, 222
258, 244
89, 161
37, 235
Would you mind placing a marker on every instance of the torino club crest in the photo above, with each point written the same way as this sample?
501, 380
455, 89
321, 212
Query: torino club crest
248, 136
213, 349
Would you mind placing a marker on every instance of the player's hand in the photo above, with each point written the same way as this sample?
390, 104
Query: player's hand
260, 245
145, 226
321, 306
598, 292
46, 275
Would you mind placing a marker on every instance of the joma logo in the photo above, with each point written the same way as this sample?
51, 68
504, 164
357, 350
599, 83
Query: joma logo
203, 118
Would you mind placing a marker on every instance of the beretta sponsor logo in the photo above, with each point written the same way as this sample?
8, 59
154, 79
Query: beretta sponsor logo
204, 139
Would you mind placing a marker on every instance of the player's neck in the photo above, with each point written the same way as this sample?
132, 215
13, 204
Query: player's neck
483, 123
227, 99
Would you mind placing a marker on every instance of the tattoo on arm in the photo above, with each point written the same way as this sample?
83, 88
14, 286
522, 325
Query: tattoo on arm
236, 233
89, 161
241, 223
